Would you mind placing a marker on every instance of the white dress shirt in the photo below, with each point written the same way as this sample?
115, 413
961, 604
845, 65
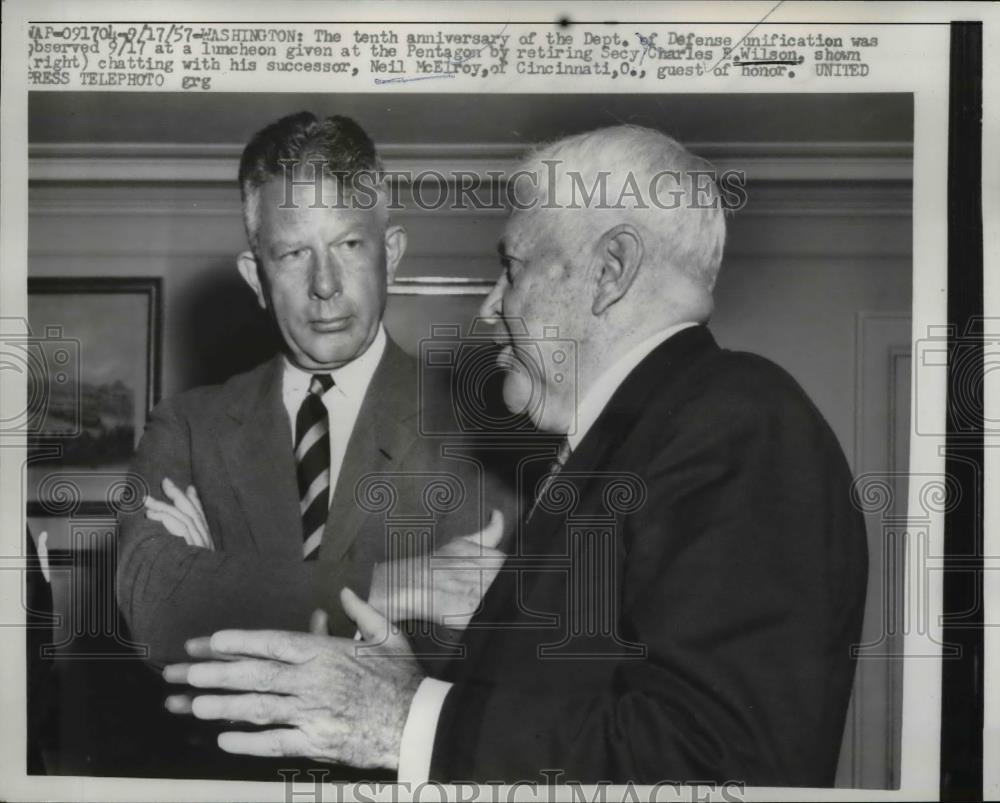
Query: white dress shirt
417, 745
342, 401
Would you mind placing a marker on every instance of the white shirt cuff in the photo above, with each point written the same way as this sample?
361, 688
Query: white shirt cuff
417, 745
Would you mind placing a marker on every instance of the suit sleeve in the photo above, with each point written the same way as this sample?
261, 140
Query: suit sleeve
169, 592
743, 576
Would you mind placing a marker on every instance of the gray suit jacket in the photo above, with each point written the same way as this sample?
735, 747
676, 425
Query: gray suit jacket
233, 442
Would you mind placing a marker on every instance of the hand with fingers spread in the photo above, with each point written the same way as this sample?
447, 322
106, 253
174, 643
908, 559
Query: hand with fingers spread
445, 587
185, 517
327, 699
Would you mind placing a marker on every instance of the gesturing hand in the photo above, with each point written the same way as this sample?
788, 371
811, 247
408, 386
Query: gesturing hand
445, 587
337, 700
184, 518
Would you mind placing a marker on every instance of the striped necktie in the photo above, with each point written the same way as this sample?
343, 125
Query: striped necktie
312, 456
553, 471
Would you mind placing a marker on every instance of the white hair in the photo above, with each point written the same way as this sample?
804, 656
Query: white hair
668, 193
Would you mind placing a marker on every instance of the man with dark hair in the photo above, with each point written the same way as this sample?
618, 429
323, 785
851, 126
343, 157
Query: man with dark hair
265, 517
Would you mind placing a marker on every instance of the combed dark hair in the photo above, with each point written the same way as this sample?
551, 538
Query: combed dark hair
337, 144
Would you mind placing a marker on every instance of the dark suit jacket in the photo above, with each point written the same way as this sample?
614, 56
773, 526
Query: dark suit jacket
234, 443
708, 636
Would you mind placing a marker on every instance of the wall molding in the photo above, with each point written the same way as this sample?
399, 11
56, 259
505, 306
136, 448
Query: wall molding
883, 341
774, 199
439, 286
217, 163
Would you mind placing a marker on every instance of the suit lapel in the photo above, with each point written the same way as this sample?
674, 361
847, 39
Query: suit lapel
660, 377
382, 435
256, 444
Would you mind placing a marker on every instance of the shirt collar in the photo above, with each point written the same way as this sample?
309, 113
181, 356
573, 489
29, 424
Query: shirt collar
597, 396
351, 379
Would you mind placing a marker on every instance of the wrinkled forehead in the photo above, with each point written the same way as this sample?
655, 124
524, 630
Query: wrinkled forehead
550, 234
302, 189
528, 230
293, 200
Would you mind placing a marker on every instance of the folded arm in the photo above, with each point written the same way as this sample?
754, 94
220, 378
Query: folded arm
177, 579
170, 591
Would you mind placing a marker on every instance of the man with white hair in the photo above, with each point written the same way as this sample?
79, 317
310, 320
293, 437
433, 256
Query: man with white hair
682, 597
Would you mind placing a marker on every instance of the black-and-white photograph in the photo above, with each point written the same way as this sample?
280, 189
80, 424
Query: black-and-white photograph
727, 377
489, 421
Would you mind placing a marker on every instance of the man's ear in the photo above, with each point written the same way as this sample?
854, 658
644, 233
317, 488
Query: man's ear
247, 265
620, 252
395, 247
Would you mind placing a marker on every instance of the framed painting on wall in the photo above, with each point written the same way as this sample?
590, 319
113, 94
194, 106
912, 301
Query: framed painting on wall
93, 367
